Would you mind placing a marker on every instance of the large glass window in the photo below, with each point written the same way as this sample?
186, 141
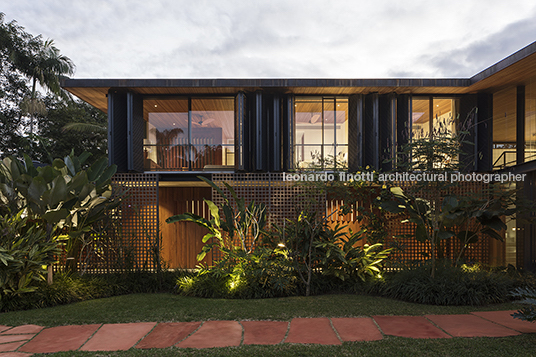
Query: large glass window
504, 128
189, 134
443, 116
321, 132
530, 120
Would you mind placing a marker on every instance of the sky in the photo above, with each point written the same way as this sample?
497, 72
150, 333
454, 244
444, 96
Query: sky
279, 38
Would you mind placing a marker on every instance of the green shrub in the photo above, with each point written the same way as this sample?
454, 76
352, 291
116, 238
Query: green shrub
65, 289
68, 288
528, 296
451, 286
264, 273
25, 252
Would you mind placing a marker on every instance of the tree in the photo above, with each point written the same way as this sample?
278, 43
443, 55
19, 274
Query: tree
55, 141
13, 89
28, 60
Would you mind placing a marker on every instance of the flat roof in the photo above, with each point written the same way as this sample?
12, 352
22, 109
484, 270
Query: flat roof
515, 69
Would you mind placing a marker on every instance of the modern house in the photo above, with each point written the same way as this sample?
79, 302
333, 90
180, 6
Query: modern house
163, 133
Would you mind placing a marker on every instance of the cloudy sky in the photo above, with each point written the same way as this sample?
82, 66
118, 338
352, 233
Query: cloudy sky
279, 38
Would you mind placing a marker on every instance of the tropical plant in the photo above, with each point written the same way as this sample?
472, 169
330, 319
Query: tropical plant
28, 62
44, 66
65, 198
242, 228
527, 296
342, 257
25, 251
315, 247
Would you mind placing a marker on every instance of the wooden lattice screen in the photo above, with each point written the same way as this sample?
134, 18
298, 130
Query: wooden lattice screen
407, 248
284, 199
128, 240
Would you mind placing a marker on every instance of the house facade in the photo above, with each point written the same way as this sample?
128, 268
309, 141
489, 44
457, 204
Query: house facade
164, 133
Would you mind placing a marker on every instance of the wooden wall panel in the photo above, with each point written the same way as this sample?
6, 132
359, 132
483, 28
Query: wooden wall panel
182, 241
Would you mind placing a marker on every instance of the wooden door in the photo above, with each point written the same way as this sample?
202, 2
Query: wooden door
182, 241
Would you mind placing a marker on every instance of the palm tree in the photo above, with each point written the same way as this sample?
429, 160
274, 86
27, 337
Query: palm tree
84, 128
44, 67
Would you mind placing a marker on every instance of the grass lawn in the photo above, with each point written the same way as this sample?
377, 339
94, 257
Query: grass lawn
390, 346
169, 307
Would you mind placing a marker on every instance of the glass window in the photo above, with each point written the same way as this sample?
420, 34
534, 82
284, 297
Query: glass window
420, 118
504, 128
443, 114
530, 120
189, 134
321, 132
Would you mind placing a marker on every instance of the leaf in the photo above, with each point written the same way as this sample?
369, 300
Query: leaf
214, 211
467, 237
392, 206
449, 203
493, 234
36, 189
397, 191
106, 175
70, 165
58, 193
494, 222
421, 234
94, 172
56, 216
214, 186
445, 234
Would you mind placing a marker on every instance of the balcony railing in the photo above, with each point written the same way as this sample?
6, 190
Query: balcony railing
186, 157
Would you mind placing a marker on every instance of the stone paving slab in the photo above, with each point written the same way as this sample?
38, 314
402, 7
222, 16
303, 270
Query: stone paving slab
168, 334
13, 338
23, 329
505, 318
60, 338
409, 326
118, 337
316, 330
356, 329
12, 346
215, 334
264, 332
470, 326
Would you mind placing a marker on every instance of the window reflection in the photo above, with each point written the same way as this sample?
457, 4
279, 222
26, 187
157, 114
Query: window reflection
181, 139
504, 128
530, 120
321, 132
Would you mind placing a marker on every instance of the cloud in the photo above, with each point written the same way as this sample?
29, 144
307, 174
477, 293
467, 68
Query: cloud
278, 38
478, 55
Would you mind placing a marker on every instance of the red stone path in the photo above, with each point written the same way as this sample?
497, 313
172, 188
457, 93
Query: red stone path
27, 339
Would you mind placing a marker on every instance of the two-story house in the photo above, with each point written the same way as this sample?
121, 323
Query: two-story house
163, 133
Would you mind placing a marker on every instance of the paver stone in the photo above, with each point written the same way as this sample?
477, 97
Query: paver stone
316, 330
60, 338
168, 334
356, 329
409, 326
470, 326
214, 334
118, 337
264, 332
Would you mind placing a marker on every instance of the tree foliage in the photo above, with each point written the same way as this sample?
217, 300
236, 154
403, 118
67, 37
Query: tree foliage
31, 122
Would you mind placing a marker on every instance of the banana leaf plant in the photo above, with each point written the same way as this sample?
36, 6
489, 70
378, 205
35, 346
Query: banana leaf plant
466, 217
246, 223
65, 198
